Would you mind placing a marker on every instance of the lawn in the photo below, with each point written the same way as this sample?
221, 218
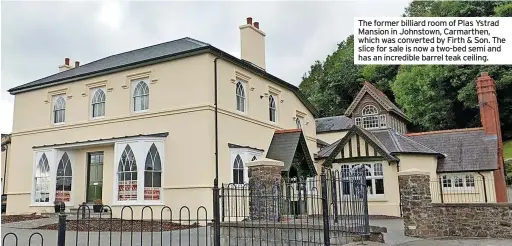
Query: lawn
507, 146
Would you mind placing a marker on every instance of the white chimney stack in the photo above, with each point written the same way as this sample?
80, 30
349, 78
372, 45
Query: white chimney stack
252, 41
65, 66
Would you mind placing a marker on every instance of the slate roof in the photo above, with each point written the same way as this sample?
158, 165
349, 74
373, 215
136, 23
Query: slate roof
379, 97
464, 149
150, 55
161, 135
321, 144
395, 143
334, 123
388, 140
284, 145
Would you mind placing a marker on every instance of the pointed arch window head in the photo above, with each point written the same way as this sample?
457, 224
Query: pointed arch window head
64, 179
272, 109
152, 174
42, 180
238, 170
240, 97
59, 109
127, 175
98, 103
141, 96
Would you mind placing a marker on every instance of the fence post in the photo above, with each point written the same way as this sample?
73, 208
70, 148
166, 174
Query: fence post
441, 188
216, 214
334, 182
61, 236
325, 209
365, 203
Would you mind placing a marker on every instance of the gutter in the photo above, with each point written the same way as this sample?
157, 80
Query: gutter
5, 168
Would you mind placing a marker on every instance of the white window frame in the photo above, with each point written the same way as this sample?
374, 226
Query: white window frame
299, 121
449, 182
140, 147
370, 117
51, 156
92, 102
382, 121
241, 84
55, 98
247, 155
358, 121
135, 83
369, 168
273, 107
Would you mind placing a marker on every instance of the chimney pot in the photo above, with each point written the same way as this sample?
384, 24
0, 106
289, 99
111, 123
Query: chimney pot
483, 74
249, 20
66, 61
77, 63
257, 25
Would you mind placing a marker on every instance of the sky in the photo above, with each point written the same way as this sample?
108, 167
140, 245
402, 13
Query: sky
37, 36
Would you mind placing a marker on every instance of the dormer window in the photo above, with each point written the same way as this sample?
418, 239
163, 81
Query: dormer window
370, 117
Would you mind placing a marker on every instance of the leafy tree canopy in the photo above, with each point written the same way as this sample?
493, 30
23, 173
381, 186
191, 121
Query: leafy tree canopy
434, 97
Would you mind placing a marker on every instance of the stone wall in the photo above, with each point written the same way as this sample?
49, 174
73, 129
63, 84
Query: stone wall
292, 233
425, 219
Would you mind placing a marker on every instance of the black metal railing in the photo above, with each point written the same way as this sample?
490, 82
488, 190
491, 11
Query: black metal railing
463, 189
323, 210
329, 209
150, 227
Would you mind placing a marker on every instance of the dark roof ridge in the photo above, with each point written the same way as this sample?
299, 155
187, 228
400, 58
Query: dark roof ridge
445, 131
395, 141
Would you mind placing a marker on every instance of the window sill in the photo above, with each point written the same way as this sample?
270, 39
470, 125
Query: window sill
140, 111
377, 199
138, 203
42, 204
59, 124
97, 118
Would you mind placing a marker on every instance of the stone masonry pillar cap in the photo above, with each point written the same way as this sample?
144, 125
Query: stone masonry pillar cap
413, 171
264, 162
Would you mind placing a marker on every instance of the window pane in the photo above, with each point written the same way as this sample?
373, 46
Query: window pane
369, 186
459, 182
346, 187
470, 181
379, 186
377, 170
447, 182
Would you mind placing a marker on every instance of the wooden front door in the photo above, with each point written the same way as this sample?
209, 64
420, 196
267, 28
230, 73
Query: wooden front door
94, 176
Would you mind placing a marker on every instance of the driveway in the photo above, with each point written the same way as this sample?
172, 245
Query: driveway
395, 236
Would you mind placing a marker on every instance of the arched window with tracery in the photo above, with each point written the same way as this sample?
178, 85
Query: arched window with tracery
98, 103
152, 174
240, 97
42, 180
127, 175
59, 109
272, 108
64, 179
370, 117
238, 170
141, 96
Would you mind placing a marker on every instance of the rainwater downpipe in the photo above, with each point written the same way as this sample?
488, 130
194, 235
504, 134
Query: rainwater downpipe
5, 168
485, 186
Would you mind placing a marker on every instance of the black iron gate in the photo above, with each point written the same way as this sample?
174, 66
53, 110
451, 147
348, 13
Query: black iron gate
329, 209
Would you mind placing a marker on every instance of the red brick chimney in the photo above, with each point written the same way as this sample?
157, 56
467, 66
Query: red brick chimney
490, 117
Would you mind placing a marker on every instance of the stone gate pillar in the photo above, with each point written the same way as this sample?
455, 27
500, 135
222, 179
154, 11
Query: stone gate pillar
264, 189
416, 201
